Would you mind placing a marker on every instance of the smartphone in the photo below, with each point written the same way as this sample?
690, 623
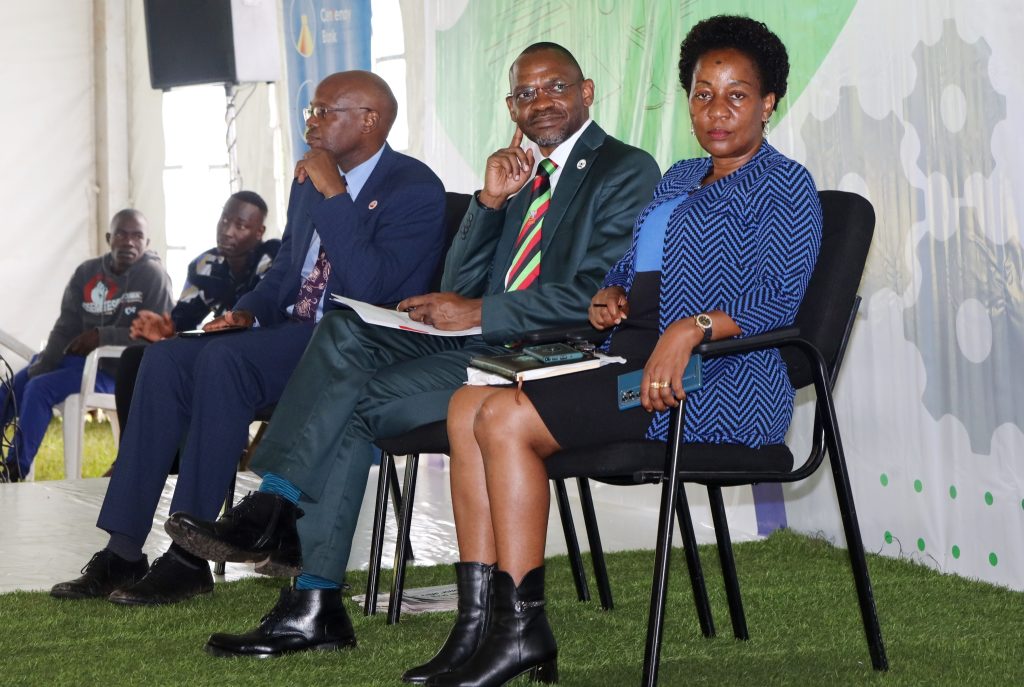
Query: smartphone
195, 333
553, 353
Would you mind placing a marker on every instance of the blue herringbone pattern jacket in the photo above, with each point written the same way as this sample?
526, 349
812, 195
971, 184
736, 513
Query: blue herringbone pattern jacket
745, 245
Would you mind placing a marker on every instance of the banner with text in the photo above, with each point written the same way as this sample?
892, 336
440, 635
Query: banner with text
323, 37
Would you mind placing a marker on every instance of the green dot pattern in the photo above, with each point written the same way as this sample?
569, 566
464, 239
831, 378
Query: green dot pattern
888, 537
952, 491
920, 544
993, 560
988, 498
884, 479
918, 486
956, 551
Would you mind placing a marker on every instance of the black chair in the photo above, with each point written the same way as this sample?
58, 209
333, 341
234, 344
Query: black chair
455, 207
433, 438
813, 350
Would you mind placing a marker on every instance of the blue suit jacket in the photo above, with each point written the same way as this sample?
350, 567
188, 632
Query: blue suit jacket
382, 247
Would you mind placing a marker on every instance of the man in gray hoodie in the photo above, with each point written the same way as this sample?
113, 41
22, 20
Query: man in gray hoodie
100, 301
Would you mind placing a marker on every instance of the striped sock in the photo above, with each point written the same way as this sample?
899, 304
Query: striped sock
309, 581
275, 484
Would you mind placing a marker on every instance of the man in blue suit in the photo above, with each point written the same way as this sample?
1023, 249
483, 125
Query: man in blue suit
363, 221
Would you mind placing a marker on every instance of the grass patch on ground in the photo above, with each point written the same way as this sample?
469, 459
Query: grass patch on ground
98, 454
801, 610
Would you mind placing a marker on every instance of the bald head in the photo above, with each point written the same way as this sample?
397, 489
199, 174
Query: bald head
356, 110
368, 90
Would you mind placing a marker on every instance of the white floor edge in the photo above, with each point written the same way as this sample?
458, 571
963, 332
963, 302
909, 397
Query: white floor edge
48, 532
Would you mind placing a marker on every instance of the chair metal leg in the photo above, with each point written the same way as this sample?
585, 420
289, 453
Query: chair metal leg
402, 544
229, 503
725, 557
396, 498
380, 514
572, 544
659, 585
697, 583
854, 543
604, 588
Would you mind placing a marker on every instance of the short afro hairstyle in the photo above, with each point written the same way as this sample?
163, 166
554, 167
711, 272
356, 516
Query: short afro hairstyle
252, 198
748, 36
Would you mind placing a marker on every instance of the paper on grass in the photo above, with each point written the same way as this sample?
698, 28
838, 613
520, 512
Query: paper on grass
388, 317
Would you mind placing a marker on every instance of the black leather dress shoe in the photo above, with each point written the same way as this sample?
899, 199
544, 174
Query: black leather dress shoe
170, 579
105, 572
260, 529
302, 620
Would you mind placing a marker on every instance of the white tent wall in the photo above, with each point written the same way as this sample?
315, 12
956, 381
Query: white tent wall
83, 137
48, 165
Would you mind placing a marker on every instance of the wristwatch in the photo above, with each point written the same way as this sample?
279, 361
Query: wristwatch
703, 321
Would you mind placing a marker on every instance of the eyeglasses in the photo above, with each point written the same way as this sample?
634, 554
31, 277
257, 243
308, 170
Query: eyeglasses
320, 111
552, 90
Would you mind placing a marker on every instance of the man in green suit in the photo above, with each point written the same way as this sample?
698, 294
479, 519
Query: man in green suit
531, 251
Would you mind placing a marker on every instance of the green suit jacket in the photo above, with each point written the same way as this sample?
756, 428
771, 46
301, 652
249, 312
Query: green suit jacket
603, 187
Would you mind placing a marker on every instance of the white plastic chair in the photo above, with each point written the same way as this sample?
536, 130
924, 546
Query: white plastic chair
77, 405
17, 347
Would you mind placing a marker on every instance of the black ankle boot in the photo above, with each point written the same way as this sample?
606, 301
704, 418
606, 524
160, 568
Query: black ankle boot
260, 529
518, 640
474, 583
302, 620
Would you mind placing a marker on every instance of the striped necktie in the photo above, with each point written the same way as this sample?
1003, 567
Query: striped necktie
525, 267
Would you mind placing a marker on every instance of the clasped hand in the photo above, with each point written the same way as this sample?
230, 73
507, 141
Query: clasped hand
507, 171
446, 311
150, 326
85, 343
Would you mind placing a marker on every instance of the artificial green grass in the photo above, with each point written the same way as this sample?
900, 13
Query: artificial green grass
801, 610
98, 454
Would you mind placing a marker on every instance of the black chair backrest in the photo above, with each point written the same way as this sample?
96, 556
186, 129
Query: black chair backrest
455, 206
848, 221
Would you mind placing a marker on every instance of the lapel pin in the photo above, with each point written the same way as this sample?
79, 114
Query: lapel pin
373, 204
581, 164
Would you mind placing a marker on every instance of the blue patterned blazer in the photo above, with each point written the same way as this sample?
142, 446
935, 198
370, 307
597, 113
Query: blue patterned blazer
745, 245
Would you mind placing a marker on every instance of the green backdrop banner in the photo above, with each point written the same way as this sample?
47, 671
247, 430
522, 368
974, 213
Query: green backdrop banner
629, 49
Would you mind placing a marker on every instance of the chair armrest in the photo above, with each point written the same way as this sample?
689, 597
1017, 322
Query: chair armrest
772, 339
92, 364
15, 346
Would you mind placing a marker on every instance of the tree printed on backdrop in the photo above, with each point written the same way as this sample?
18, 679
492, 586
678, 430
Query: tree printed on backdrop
907, 104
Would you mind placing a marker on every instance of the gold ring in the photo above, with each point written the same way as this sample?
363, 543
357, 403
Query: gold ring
660, 385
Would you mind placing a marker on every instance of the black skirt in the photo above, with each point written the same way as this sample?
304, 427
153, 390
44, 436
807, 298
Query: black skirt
582, 409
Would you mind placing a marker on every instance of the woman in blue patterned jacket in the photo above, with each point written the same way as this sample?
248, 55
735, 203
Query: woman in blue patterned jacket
725, 249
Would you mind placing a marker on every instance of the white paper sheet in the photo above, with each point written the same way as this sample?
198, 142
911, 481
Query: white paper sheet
387, 317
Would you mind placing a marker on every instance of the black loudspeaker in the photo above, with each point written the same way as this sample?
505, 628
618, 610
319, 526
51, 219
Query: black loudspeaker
211, 41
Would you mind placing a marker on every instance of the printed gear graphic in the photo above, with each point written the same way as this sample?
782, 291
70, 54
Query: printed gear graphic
851, 140
951, 63
967, 265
